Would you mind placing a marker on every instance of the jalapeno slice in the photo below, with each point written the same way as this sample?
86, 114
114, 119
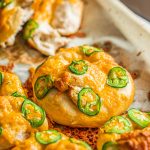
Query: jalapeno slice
78, 67
1, 78
42, 86
110, 146
89, 50
33, 113
89, 102
17, 94
81, 143
29, 29
48, 136
117, 124
39, 66
1, 131
140, 118
117, 77
4, 3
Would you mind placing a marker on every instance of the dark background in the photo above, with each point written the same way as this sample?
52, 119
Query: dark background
140, 7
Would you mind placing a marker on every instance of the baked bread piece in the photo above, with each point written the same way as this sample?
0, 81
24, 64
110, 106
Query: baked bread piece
12, 18
23, 124
19, 117
67, 16
17, 121
127, 132
82, 87
43, 31
55, 141
10, 84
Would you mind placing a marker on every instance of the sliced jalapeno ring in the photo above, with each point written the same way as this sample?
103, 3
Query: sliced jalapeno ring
117, 77
42, 86
4, 3
89, 50
110, 146
78, 67
117, 124
39, 66
1, 78
33, 113
140, 118
17, 94
89, 102
48, 136
81, 143
29, 29
1, 131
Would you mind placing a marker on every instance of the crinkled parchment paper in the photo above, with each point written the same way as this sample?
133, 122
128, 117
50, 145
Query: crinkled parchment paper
98, 29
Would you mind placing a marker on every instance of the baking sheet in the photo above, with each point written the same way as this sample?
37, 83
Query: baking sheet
98, 29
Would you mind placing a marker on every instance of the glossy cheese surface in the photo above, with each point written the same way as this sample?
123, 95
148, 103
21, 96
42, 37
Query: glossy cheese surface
63, 144
54, 19
104, 137
15, 127
9, 20
59, 102
10, 84
12, 18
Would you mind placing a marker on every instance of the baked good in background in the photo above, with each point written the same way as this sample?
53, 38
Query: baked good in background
48, 22
126, 132
12, 18
51, 22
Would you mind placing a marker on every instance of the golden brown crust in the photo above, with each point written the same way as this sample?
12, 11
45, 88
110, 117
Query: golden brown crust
67, 84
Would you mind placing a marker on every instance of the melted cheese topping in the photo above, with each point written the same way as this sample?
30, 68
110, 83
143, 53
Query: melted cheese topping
106, 137
99, 66
33, 114
42, 10
62, 144
15, 127
11, 21
47, 38
7, 28
10, 84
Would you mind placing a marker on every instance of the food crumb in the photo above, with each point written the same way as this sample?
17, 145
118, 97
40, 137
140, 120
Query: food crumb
7, 68
78, 34
139, 53
148, 95
107, 46
135, 74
